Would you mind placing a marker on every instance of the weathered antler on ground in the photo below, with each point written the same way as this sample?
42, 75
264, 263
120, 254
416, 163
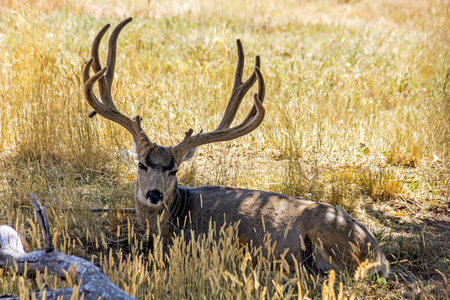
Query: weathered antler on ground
92, 282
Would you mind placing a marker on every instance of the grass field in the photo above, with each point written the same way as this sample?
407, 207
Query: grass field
358, 115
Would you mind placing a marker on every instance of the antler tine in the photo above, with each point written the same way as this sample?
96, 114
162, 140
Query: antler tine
104, 76
261, 90
112, 51
224, 133
240, 65
89, 83
239, 88
96, 65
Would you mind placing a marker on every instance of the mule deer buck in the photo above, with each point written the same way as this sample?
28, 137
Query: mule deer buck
318, 234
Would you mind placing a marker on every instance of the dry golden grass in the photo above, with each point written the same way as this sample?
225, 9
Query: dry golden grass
358, 115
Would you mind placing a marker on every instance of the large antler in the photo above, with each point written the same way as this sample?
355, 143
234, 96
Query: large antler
105, 76
223, 132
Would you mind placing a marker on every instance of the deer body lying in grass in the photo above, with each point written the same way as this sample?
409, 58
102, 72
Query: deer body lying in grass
316, 234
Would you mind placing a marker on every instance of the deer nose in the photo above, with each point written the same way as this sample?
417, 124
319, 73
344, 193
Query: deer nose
155, 196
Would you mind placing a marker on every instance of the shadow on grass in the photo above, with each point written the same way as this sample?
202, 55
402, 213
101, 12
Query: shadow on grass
419, 247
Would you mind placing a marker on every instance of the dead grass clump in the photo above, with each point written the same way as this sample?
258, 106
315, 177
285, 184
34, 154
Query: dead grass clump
341, 186
381, 184
406, 158
302, 180
357, 116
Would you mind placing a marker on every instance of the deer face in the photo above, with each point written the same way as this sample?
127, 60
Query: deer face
157, 176
156, 182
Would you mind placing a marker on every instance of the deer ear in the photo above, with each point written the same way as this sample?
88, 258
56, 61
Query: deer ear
189, 155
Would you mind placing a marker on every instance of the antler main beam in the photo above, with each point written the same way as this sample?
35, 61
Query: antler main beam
223, 132
105, 76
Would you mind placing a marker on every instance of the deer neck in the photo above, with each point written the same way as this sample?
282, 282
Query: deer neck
179, 208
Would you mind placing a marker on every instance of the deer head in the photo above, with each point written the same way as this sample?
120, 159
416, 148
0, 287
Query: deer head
156, 184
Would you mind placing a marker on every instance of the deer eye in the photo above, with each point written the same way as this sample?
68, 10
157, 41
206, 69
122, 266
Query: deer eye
173, 173
142, 166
